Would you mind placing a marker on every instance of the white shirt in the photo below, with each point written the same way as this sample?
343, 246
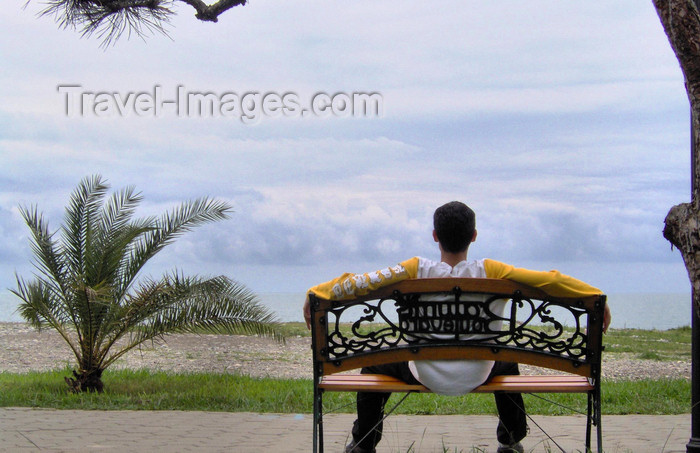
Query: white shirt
453, 377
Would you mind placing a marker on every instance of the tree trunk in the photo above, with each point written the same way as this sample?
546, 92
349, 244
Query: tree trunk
86, 381
682, 230
681, 23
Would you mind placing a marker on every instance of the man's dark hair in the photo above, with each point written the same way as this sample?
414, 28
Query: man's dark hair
454, 225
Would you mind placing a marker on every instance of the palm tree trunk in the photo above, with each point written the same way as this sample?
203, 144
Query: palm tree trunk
86, 381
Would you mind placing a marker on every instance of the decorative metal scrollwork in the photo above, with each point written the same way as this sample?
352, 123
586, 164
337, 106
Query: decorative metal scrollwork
409, 319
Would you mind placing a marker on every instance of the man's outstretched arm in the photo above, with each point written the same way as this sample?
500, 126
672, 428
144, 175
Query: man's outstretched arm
348, 286
552, 282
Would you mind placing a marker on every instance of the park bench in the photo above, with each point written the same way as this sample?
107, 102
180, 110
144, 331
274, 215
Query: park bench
459, 318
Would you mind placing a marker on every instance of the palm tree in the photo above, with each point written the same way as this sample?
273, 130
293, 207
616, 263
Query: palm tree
87, 289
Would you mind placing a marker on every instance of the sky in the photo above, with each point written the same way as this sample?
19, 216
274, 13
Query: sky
564, 125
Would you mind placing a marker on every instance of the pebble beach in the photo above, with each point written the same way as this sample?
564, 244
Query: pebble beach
23, 349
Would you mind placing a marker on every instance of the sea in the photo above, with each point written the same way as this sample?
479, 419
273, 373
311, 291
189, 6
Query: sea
660, 311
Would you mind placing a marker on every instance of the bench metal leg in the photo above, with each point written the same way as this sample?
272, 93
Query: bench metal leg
318, 420
598, 411
594, 417
589, 421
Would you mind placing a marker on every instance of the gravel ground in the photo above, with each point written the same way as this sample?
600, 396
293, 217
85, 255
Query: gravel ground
23, 349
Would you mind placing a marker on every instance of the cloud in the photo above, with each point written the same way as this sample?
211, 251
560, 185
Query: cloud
564, 125
12, 237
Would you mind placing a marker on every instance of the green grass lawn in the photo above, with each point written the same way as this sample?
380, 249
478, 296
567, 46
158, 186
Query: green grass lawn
127, 389
153, 390
665, 345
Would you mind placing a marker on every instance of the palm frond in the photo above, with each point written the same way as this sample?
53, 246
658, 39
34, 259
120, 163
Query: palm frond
126, 244
194, 304
35, 304
113, 235
48, 259
129, 315
168, 228
79, 218
41, 308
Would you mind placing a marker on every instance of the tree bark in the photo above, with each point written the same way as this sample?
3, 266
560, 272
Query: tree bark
85, 381
681, 23
211, 12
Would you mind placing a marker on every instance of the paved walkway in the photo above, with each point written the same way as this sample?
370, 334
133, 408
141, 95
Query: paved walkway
25, 430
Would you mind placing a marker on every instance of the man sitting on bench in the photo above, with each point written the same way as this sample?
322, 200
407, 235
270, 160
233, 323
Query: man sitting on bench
454, 230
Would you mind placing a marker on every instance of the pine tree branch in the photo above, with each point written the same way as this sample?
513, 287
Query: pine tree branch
211, 12
110, 19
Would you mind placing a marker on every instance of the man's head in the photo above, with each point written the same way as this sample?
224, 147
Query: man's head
455, 226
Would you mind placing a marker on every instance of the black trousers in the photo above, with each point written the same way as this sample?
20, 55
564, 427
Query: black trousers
512, 421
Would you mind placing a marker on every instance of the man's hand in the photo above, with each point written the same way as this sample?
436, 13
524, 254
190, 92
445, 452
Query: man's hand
607, 318
307, 313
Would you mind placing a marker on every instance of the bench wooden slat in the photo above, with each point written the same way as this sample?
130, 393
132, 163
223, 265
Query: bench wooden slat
367, 383
523, 384
537, 384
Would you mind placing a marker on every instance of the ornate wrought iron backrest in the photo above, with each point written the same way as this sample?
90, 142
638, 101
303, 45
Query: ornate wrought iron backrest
449, 318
